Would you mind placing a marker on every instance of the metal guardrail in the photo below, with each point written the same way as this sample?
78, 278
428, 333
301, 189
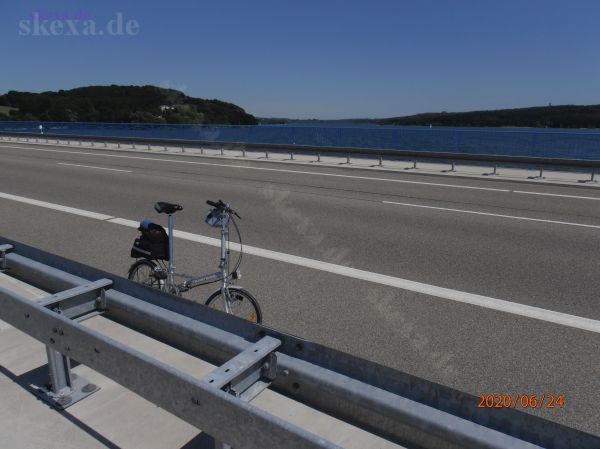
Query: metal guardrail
548, 142
396, 406
541, 163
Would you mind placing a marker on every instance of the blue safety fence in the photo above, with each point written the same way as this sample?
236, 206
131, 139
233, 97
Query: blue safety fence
554, 143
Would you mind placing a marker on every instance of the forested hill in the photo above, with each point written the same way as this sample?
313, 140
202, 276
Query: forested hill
567, 116
120, 104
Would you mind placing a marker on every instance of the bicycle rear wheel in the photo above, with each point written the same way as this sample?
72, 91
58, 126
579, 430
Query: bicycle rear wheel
242, 303
143, 272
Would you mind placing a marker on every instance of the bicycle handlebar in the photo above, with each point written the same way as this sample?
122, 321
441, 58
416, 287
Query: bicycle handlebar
222, 206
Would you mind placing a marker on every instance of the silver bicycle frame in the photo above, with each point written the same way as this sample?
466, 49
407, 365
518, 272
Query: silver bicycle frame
195, 281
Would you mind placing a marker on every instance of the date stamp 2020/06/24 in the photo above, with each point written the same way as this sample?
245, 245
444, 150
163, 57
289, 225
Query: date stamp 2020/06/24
523, 401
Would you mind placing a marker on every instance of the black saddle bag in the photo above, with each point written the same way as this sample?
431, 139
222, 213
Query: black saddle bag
153, 243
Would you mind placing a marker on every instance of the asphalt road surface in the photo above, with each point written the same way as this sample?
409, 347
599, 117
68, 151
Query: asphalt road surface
487, 286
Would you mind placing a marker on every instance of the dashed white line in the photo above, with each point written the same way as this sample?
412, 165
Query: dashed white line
247, 167
558, 195
377, 278
454, 186
92, 166
513, 217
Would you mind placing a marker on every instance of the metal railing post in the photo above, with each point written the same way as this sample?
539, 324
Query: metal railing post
452, 170
381, 161
348, 159
540, 176
592, 178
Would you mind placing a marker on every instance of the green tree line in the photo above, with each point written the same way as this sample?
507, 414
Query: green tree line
566, 116
120, 104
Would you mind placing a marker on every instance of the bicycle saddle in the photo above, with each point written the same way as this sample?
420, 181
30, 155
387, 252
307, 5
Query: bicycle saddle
166, 208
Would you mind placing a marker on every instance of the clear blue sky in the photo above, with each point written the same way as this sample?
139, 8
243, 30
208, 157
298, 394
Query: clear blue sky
321, 58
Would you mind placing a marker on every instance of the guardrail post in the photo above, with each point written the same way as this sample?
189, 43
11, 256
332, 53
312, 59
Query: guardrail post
319, 157
591, 179
493, 173
183, 148
266, 155
133, 145
348, 159
452, 170
540, 176
414, 166
243, 152
119, 145
381, 161
148, 147
105, 144
201, 150
65, 388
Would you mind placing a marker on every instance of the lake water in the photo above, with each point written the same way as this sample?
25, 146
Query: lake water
558, 143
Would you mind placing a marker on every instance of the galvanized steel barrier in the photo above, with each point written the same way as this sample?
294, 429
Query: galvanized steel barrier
453, 158
396, 406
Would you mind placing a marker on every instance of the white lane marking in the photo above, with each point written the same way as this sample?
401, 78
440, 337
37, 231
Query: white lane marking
500, 305
281, 170
67, 209
494, 215
91, 166
558, 195
391, 281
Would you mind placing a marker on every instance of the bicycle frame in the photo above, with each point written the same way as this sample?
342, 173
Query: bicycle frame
196, 281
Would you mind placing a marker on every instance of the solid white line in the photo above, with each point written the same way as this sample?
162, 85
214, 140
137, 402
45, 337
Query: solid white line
67, 209
558, 195
91, 166
494, 215
391, 281
246, 167
404, 284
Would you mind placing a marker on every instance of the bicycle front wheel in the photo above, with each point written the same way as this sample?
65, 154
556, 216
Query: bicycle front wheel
242, 304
